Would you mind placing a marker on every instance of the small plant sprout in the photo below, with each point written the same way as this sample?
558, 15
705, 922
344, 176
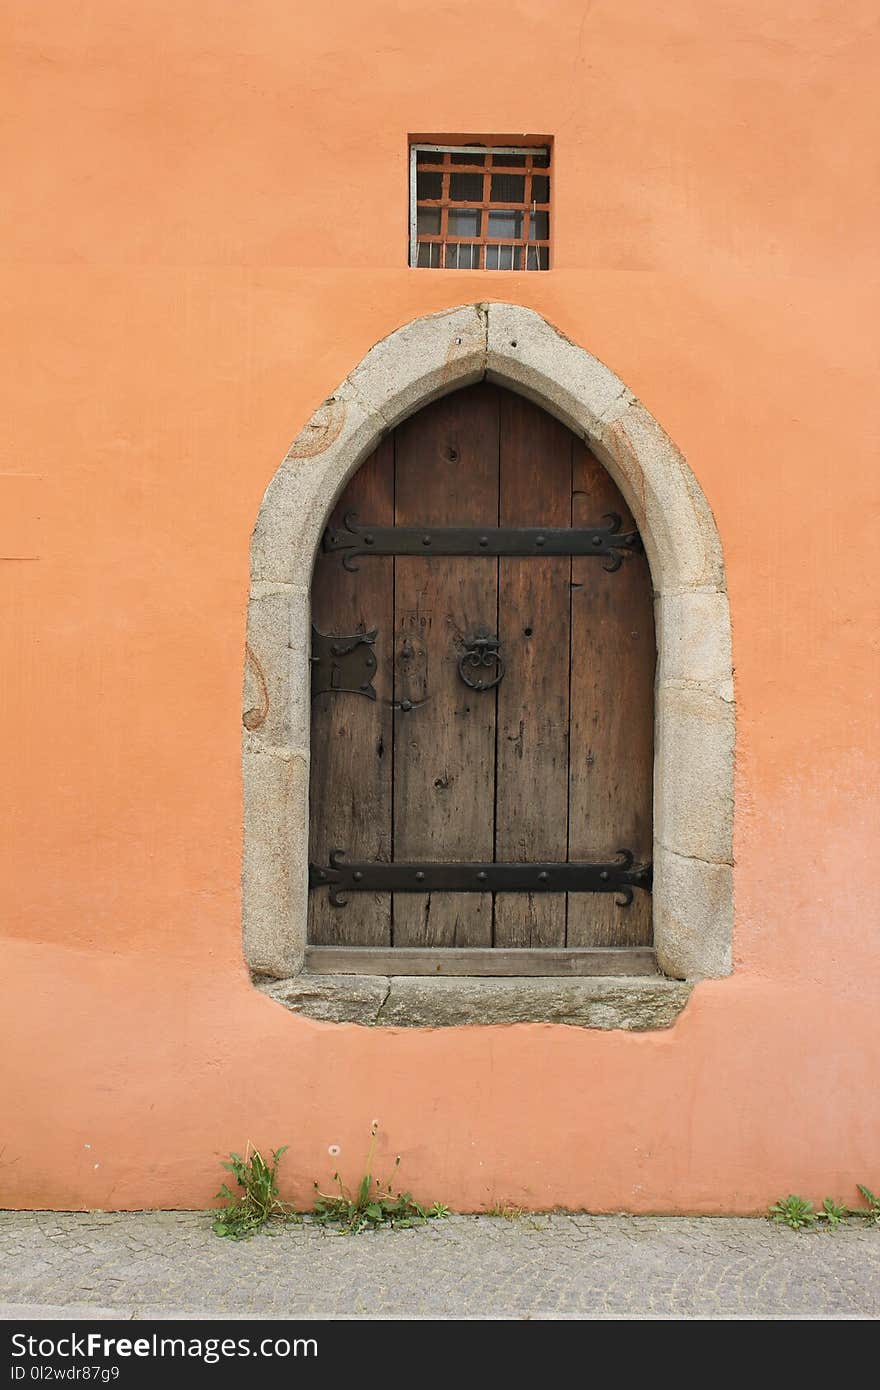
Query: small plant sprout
871, 1213
793, 1211
833, 1212
508, 1211
257, 1201
373, 1205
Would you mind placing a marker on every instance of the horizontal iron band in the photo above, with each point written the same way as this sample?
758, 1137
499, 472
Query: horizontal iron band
363, 539
622, 876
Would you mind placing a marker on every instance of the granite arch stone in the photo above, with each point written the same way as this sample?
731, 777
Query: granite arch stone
694, 708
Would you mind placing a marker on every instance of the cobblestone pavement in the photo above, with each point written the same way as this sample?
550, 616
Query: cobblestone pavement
169, 1264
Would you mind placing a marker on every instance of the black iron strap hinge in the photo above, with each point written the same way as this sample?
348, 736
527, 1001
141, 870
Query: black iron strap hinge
352, 540
621, 876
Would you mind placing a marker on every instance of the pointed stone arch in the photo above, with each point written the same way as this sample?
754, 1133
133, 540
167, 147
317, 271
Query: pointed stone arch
694, 698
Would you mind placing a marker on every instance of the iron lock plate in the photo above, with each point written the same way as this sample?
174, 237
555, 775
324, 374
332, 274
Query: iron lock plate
343, 662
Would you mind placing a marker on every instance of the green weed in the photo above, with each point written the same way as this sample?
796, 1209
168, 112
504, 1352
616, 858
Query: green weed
373, 1205
257, 1201
872, 1211
798, 1213
833, 1212
793, 1211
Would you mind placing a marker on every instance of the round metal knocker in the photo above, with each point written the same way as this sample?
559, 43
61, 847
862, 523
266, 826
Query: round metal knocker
481, 665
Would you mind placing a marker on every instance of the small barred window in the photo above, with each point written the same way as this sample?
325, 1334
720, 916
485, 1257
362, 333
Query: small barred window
476, 208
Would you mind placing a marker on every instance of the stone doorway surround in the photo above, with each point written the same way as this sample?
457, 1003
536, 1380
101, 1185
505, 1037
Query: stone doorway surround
694, 697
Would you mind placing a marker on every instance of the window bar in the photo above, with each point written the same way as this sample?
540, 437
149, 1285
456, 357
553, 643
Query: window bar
444, 210
526, 227
484, 213
413, 206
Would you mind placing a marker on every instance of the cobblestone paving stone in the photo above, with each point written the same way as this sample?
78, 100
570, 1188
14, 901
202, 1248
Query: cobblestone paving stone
166, 1264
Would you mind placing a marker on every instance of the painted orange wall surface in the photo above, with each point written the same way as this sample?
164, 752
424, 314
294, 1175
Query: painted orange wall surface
205, 229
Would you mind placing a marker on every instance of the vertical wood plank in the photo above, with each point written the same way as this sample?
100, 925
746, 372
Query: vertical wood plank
444, 750
351, 763
534, 616
612, 712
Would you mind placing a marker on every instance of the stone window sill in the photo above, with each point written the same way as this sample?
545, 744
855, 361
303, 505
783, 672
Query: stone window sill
631, 1003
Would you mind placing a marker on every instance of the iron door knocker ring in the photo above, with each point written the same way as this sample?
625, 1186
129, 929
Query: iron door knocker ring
482, 654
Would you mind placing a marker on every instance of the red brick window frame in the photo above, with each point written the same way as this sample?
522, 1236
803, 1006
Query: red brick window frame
480, 207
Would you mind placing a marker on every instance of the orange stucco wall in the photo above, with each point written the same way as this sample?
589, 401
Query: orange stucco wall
205, 229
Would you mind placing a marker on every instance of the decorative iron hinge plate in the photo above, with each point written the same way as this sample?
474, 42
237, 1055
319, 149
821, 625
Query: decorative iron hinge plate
352, 540
621, 875
343, 663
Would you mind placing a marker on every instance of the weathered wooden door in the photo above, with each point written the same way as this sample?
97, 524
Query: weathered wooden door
482, 708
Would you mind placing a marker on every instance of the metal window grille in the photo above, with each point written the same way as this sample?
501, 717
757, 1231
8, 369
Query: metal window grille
476, 208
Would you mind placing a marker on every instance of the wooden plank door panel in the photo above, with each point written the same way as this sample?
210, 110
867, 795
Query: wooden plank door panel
444, 749
556, 762
350, 782
612, 709
534, 603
